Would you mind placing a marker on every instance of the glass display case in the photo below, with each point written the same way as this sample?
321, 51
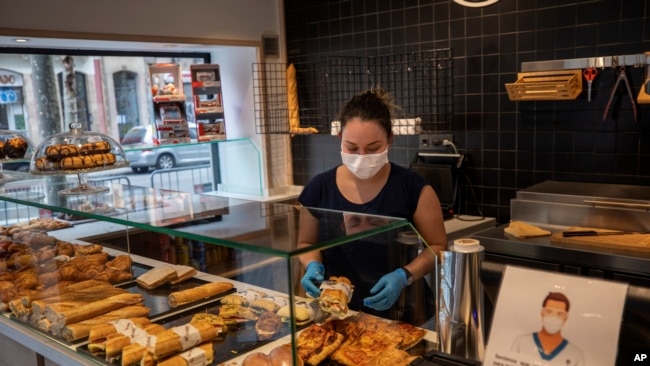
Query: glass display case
254, 246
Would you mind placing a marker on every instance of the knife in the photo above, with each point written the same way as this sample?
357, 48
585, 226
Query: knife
571, 233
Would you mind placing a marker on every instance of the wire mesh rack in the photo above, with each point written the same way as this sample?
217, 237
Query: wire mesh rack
421, 84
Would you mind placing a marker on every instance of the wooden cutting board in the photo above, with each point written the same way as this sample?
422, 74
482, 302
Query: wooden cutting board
632, 242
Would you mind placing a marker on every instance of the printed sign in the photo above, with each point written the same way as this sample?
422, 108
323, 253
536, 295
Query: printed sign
548, 318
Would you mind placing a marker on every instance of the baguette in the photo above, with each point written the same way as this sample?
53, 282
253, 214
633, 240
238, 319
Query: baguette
96, 308
52, 310
200, 355
76, 331
198, 293
181, 338
104, 330
55, 291
134, 353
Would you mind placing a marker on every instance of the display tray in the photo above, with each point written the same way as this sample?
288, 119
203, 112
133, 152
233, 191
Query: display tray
239, 339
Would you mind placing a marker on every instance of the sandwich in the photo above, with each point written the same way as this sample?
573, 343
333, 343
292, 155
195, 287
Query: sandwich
269, 303
156, 277
303, 312
268, 325
183, 273
215, 320
335, 295
235, 314
243, 298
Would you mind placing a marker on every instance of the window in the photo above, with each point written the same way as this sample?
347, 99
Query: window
126, 100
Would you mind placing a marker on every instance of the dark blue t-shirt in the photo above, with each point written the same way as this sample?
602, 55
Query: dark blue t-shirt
365, 261
398, 198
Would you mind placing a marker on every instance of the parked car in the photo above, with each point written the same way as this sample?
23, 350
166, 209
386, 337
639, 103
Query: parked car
142, 153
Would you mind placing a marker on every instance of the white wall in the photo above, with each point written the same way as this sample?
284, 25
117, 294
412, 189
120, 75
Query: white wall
218, 19
227, 22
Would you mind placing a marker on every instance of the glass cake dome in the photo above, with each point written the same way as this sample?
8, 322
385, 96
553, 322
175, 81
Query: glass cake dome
77, 152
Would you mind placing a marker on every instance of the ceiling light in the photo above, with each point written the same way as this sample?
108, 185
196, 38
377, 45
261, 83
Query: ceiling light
21, 40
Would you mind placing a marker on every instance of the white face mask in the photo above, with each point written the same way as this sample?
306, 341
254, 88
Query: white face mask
365, 166
552, 324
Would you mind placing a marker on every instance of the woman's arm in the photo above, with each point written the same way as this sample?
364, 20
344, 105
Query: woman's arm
429, 223
308, 235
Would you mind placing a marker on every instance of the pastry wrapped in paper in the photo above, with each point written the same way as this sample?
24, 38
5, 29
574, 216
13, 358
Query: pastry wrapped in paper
118, 326
243, 298
292, 101
198, 293
115, 345
76, 331
181, 338
198, 356
135, 353
335, 295
96, 308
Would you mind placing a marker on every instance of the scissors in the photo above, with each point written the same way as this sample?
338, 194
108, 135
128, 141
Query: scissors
590, 74
621, 76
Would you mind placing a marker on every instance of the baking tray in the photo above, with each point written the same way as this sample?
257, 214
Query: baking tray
239, 339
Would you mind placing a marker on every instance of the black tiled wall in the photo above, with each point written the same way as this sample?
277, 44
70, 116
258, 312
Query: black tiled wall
510, 145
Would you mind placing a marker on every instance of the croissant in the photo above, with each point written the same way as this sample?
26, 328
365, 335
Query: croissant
7, 291
117, 276
64, 248
49, 279
27, 280
87, 249
121, 262
45, 254
70, 273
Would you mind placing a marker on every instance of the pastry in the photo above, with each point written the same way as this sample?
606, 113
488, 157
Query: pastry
215, 320
58, 152
268, 324
237, 314
200, 355
257, 359
303, 312
198, 293
316, 343
181, 338
523, 230
77, 162
103, 159
99, 147
46, 164
282, 356
15, 148
335, 295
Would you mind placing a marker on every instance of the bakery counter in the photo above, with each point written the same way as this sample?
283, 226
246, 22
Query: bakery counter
542, 253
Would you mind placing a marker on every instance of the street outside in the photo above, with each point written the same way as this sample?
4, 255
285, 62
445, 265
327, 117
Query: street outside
144, 179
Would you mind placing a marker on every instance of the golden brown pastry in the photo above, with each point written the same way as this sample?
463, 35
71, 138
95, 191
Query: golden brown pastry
15, 147
45, 164
57, 152
7, 291
121, 262
268, 325
103, 159
99, 147
77, 162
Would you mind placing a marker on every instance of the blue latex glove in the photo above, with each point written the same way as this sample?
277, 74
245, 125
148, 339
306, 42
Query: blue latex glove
386, 290
313, 274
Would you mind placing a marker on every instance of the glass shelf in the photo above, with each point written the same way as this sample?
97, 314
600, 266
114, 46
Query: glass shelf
205, 218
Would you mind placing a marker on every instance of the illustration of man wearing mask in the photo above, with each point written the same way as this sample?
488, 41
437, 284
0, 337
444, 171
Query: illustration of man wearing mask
548, 344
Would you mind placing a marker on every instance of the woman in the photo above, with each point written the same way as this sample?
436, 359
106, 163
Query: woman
368, 183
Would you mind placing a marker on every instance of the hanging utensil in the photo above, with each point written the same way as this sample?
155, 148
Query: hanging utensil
621, 77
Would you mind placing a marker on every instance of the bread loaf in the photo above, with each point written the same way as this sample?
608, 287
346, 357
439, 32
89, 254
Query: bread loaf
198, 293
181, 338
104, 330
200, 355
95, 308
76, 331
